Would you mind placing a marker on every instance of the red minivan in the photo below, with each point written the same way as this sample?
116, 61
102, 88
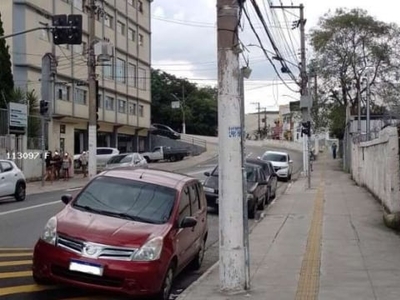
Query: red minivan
127, 231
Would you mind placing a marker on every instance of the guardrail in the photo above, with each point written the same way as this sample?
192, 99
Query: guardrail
194, 141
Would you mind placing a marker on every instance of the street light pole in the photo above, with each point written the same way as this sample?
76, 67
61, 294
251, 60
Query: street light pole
183, 110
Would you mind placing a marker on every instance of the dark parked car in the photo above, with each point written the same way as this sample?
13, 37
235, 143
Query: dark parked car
127, 231
257, 187
269, 171
164, 130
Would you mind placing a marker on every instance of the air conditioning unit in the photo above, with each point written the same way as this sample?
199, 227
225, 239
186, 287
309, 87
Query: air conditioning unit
104, 51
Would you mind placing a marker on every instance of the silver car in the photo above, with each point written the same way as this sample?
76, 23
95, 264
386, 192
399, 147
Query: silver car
126, 160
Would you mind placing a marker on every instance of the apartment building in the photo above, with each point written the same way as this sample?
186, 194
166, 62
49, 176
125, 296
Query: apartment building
124, 81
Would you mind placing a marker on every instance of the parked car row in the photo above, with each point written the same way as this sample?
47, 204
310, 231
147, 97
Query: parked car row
262, 176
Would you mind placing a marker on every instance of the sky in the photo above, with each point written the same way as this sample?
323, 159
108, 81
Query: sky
184, 42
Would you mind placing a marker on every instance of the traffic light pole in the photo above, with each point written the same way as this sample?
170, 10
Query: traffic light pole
92, 90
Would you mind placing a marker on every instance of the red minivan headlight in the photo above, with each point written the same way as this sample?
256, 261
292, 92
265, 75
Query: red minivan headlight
150, 251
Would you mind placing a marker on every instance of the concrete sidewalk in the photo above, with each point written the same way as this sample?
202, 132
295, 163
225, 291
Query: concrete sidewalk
78, 181
325, 243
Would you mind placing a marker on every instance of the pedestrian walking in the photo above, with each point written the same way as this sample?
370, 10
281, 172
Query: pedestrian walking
84, 163
57, 165
66, 164
49, 166
334, 148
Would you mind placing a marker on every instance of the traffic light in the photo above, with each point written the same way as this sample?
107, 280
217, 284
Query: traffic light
60, 35
44, 107
75, 30
306, 128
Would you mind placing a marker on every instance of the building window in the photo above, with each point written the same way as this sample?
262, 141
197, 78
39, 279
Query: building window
100, 101
132, 108
78, 4
108, 20
131, 34
80, 96
109, 105
121, 28
142, 79
131, 2
120, 72
108, 70
141, 111
132, 75
63, 92
140, 6
140, 39
122, 106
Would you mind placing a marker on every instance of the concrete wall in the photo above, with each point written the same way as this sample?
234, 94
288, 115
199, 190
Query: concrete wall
277, 144
375, 165
192, 146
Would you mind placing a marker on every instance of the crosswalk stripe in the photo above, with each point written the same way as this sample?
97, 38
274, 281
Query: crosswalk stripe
24, 289
18, 254
15, 274
15, 263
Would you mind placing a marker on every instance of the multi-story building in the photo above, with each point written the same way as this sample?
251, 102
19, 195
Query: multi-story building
124, 81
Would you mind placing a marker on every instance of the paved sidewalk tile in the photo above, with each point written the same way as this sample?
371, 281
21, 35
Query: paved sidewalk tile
78, 181
327, 242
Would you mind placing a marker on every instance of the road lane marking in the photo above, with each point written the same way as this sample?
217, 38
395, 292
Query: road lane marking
15, 263
15, 249
308, 285
31, 288
15, 274
73, 189
28, 208
18, 254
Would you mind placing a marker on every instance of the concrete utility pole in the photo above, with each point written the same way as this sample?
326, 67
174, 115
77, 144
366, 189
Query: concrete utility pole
231, 238
92, 89
368, 121
183, 109
305, 100
358, 86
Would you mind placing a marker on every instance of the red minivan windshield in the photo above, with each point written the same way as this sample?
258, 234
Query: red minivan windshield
127, 199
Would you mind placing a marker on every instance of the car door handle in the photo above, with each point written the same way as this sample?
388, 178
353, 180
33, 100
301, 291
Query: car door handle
15, 175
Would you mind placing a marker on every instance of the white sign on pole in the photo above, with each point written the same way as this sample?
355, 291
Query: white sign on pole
18, 115
175, 104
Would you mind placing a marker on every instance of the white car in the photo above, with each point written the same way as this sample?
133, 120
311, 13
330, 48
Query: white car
281, 162
103, 154
127, 160
12, 181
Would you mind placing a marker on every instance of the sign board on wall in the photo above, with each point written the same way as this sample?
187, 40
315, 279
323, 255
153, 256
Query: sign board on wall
18, 115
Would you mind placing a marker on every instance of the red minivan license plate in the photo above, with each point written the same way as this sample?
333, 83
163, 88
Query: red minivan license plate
85, 267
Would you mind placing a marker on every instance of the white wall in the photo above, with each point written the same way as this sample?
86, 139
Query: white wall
375, 165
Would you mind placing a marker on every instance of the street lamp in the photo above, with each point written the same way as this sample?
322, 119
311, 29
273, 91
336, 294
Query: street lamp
182, 105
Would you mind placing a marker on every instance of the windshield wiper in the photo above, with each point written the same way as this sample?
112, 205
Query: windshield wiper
91, 209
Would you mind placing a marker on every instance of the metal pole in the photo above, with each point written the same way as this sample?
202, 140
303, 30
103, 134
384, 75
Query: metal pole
244, 184
231, 240
359, 107
259, 119
92, 90
44, 154
368, 123
183, 110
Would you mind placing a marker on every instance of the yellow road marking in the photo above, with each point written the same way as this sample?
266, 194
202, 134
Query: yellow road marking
15, 263
15, 274
31, 288
15, 249
19, 254
308, 285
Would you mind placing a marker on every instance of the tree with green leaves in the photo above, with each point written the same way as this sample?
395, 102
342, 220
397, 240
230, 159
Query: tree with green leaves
6, 76
200, 104
347, 44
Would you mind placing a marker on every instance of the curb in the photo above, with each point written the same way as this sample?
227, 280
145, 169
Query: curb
199, 280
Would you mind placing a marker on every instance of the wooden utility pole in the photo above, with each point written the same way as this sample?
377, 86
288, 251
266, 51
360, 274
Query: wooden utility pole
231, 237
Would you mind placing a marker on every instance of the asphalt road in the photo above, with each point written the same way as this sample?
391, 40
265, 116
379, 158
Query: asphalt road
22, 223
